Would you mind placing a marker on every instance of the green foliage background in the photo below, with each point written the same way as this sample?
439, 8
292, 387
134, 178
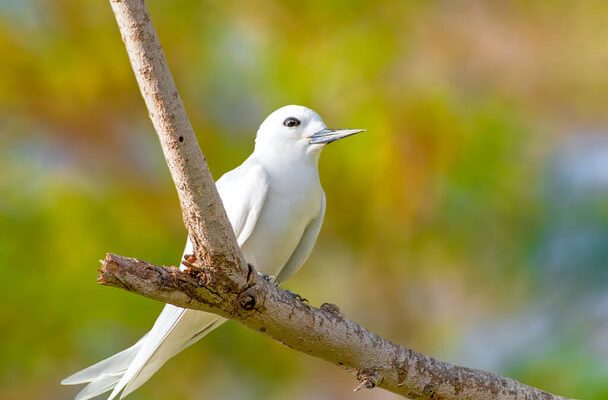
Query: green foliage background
438, 216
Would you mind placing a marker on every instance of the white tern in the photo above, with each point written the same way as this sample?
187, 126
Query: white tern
275, 204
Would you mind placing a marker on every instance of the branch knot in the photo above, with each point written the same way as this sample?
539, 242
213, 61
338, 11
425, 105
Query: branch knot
248, 299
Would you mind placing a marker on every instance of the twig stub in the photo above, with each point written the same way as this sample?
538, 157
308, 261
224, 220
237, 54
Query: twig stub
367, 380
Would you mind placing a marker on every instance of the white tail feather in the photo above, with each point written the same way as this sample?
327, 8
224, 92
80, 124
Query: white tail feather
192, 326
99, 386
119, 362
174, 330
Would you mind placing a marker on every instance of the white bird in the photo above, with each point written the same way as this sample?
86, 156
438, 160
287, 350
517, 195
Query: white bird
275, 204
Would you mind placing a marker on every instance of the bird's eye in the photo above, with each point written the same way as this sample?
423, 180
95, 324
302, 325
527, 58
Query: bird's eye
291, 122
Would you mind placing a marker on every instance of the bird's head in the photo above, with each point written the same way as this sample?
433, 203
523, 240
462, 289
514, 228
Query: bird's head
296, 131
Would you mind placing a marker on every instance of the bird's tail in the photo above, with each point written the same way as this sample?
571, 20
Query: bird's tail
174, 330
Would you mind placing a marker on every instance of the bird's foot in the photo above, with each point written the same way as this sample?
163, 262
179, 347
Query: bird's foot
188, 262
330, 308
269, 278
296, 296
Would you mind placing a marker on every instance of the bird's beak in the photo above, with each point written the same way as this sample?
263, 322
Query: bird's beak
331, 135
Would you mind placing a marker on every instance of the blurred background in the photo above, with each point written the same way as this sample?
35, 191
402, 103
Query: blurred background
470, 221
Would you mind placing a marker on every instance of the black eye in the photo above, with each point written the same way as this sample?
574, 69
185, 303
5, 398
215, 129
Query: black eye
291, 122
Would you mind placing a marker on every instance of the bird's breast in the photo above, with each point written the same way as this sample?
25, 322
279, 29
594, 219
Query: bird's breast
287, 212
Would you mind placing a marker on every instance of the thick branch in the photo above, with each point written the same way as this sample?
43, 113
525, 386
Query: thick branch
321, 332
202, 210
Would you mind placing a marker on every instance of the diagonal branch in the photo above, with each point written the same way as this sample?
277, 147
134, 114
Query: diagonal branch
220, 281
202, 209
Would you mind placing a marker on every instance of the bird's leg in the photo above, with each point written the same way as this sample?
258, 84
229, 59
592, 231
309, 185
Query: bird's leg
269, 278
272, 279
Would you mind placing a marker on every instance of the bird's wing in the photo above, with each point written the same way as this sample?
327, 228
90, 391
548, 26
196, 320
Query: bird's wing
307, 242
243, 192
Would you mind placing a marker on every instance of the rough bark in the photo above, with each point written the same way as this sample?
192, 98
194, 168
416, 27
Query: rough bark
202, 210
321, 332
220, 281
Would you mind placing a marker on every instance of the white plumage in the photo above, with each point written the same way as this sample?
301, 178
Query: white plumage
275, 205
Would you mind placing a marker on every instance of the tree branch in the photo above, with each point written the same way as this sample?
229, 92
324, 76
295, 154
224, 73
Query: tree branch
321, 332
220, 281
202, 210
